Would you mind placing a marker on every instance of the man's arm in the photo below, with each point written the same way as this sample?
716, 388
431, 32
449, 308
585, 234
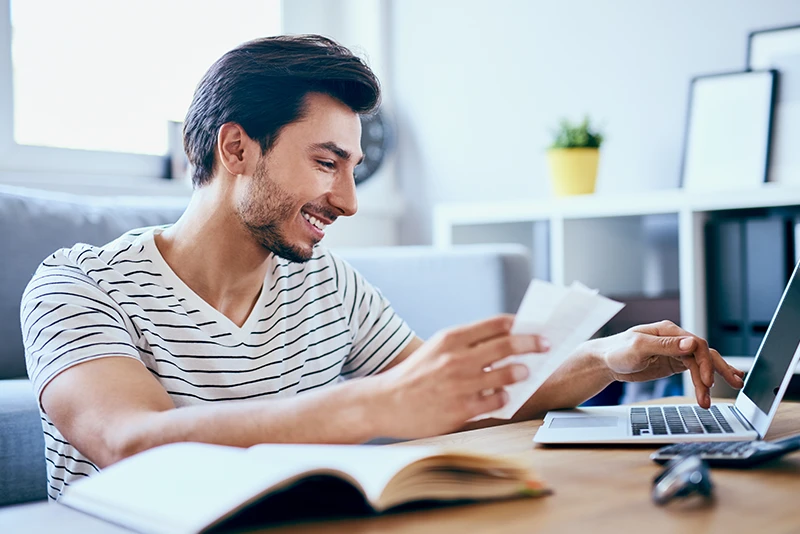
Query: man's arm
644, 352
110, 408
412, 346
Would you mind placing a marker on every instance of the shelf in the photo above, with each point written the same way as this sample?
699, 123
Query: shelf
644, 242
616, 205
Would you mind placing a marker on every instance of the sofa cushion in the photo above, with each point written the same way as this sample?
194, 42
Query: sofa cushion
37, 223
435, 288
22, 467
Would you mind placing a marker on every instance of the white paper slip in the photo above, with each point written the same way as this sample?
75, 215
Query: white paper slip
566, 317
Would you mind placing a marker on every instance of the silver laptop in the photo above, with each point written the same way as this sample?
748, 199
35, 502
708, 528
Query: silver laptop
747, 419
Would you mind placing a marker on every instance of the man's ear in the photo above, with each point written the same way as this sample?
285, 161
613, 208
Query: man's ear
236, 151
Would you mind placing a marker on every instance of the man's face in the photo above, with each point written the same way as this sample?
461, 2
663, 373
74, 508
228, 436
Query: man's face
305, 182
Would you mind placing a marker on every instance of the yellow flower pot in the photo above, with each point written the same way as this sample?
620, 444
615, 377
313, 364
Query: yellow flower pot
573, 171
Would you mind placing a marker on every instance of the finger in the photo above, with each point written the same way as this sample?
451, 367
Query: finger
501, 347
683, 345
469, 335
700, 389
665, 329
732, 376
479, 404
497, 378
704, 359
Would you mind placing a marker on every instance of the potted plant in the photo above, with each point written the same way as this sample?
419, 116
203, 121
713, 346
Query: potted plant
573, 158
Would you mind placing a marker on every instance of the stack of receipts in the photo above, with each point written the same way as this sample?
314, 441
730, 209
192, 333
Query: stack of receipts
566, 317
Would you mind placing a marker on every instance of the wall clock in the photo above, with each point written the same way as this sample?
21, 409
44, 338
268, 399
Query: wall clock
377, 141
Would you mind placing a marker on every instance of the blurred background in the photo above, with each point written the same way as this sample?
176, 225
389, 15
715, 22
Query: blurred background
93, 93
475, 88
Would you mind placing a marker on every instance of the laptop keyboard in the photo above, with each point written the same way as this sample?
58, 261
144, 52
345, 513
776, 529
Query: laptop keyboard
665, 420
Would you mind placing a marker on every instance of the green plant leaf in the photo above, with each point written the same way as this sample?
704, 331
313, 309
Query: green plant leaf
576, 135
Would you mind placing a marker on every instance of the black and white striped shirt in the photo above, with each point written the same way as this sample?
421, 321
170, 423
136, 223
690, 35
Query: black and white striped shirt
313, 324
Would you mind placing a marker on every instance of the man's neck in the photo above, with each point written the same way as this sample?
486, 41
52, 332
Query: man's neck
212, 253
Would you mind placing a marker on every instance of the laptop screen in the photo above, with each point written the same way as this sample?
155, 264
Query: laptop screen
777, 350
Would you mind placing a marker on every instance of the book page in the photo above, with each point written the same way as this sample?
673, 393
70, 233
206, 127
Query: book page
372, 466
177, 488
566, 317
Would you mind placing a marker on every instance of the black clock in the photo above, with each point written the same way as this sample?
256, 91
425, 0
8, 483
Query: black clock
377, 140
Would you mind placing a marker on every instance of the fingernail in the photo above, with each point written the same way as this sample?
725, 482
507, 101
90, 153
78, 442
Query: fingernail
686, 343
544, 344
707, 397
504, 396
519, 372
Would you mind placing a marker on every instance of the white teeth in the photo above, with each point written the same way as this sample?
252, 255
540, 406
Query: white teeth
313, 220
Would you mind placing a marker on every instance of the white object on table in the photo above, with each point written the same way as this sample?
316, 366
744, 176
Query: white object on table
566, 317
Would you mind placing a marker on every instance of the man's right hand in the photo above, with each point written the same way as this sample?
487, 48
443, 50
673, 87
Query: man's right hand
449, 379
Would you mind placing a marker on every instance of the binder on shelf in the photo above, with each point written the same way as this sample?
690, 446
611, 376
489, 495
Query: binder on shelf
796, 240
725, 283
766, 273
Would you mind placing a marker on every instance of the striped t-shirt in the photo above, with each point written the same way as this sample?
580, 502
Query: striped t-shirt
314, 324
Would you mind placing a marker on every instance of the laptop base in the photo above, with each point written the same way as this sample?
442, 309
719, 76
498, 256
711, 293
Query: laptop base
612, 425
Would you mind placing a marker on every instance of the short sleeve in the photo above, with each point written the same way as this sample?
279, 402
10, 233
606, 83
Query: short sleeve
377, 333
67, 319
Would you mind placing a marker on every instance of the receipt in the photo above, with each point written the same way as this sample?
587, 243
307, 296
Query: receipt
566, 317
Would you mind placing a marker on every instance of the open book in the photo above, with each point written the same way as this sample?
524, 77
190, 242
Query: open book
194, 487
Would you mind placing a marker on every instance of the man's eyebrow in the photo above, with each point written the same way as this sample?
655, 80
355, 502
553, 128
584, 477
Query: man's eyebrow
336, 149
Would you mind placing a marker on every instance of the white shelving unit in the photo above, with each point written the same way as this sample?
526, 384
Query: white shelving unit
629, 244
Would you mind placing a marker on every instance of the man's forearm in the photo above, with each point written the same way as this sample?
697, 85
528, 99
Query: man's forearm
344, 413
581, 377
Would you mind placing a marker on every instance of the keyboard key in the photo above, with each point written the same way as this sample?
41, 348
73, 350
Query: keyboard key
689, 417
708, 421
721, 419
674, 421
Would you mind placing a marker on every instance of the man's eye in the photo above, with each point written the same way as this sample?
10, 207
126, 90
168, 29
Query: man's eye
327, 164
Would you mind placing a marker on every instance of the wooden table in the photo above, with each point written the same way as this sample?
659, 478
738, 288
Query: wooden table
595, 490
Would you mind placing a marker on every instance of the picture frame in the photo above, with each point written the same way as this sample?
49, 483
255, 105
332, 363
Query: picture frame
779, 49
728, 130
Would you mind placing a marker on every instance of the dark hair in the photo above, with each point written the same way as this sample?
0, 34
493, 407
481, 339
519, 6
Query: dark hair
262, 84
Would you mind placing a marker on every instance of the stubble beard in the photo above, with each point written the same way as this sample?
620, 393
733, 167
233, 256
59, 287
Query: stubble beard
263, 211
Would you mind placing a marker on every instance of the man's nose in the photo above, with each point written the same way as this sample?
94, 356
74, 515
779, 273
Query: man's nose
343, 196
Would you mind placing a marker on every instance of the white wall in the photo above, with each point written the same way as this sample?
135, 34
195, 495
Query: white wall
479, 84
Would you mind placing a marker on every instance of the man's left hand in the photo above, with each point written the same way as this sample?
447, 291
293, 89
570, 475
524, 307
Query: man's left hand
658, 350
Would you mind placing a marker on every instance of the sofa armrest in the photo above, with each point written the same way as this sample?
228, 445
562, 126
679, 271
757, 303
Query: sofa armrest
22, 465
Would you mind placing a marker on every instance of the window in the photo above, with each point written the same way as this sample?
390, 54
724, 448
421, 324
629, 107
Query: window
108, 75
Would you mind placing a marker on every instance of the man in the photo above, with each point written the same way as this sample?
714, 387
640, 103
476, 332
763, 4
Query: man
140, 342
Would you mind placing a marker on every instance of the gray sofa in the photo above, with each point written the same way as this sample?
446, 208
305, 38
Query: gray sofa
430, 288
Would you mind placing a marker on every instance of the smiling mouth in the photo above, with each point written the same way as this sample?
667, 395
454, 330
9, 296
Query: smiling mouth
319, 225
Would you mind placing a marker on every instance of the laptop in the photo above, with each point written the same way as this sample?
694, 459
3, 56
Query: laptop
747, 419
